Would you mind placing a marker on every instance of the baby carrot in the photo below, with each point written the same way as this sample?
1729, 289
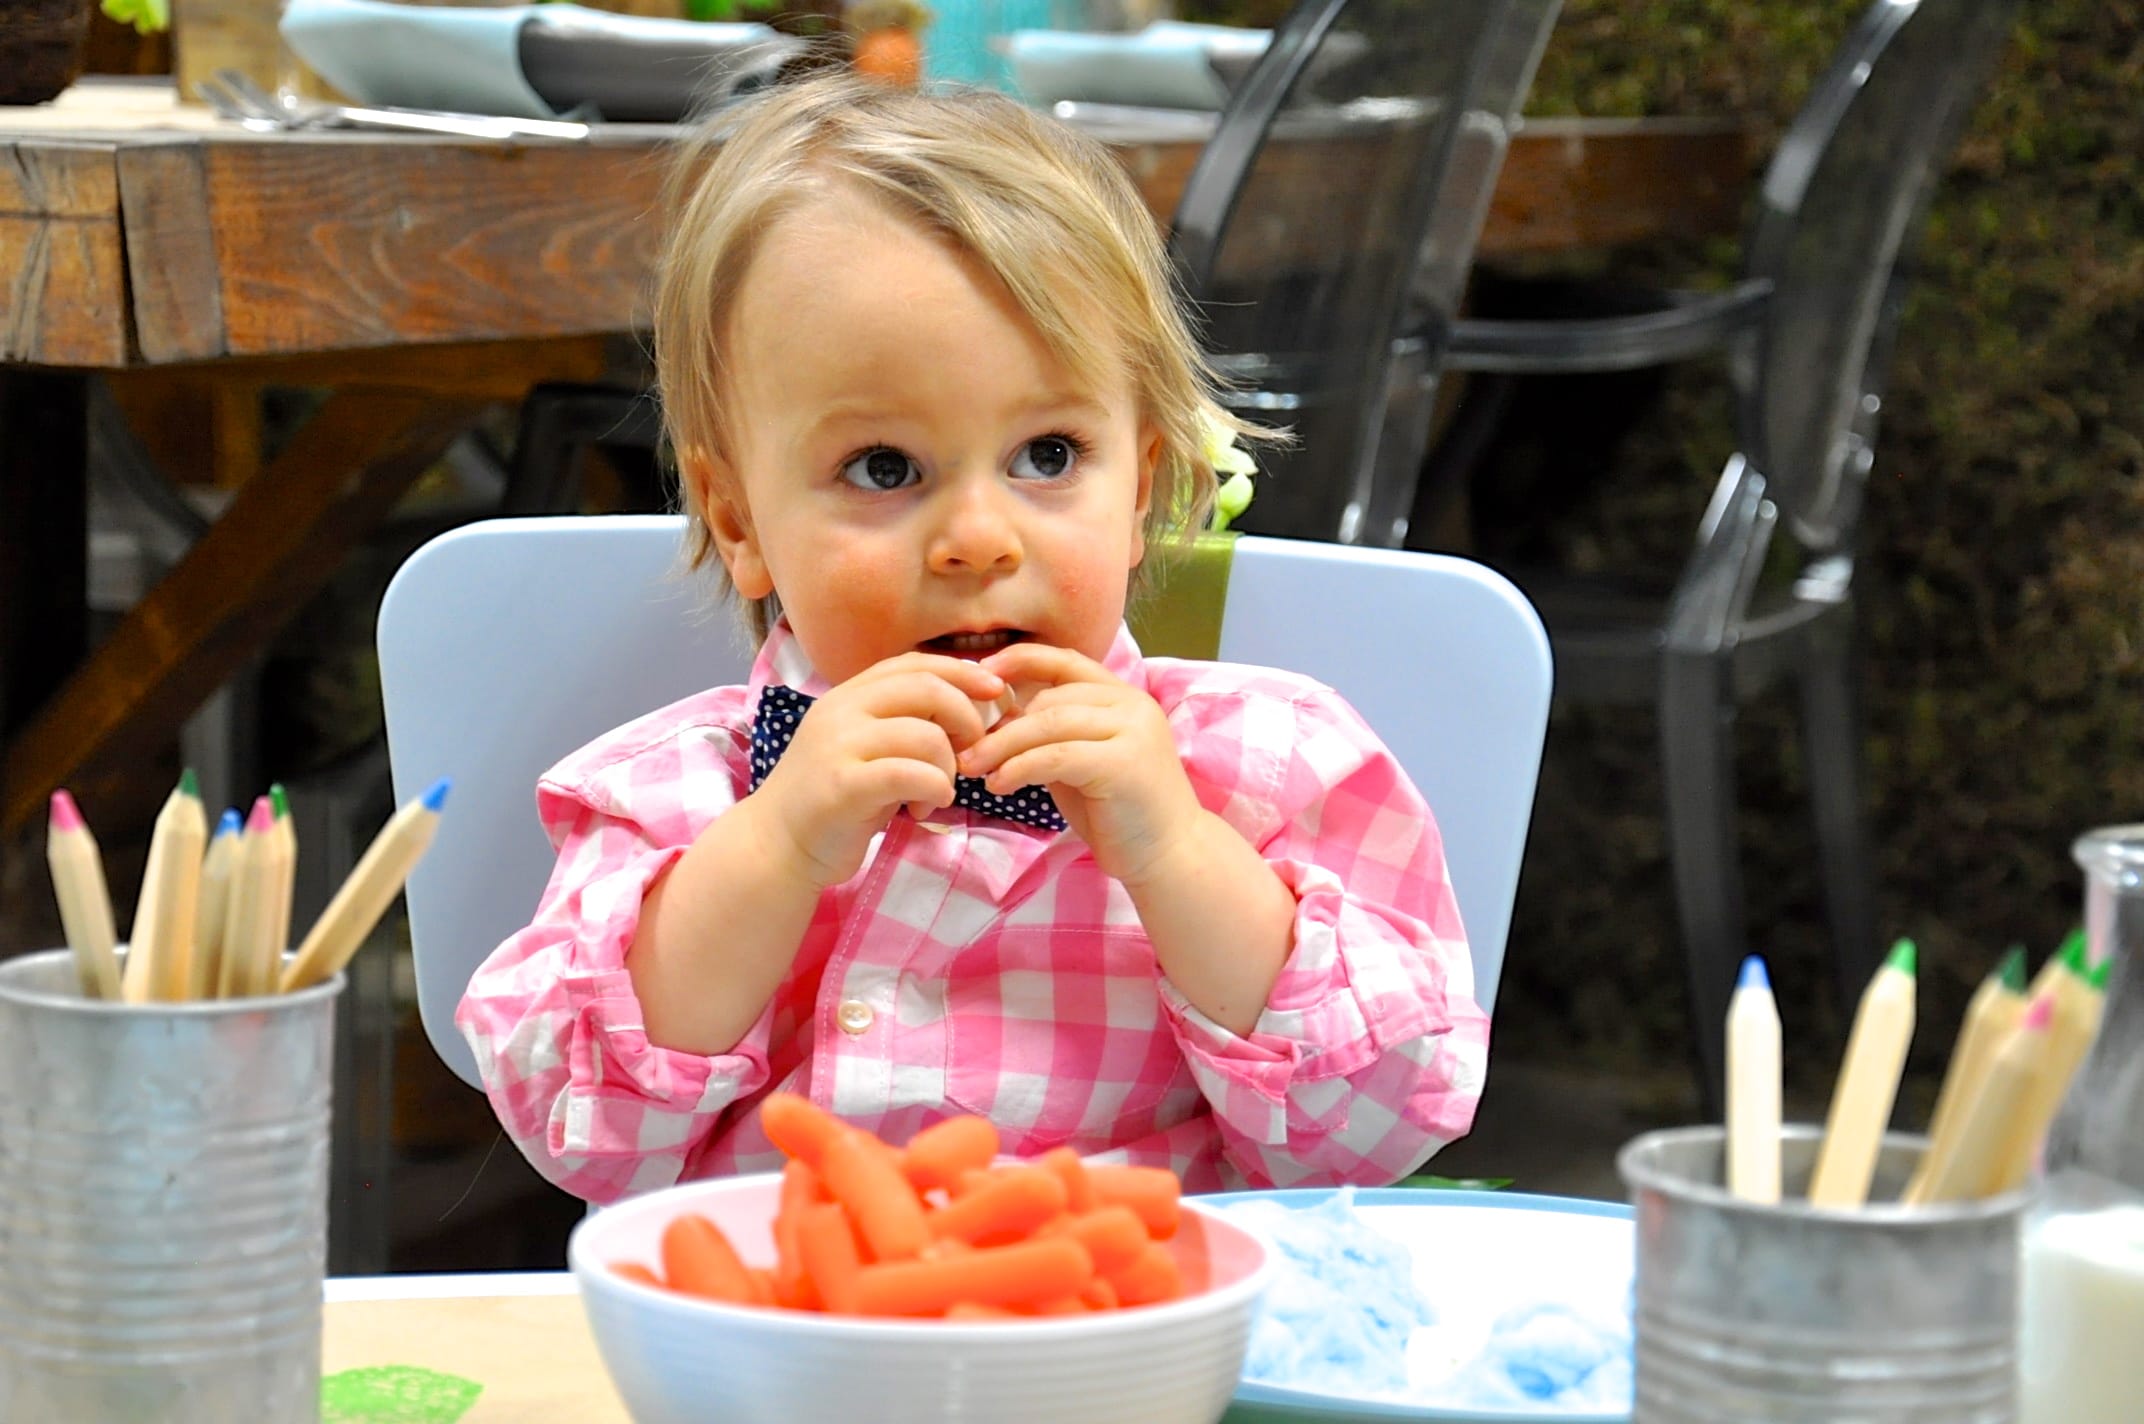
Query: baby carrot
1152, 1192
827, 1244
969, 1310
699, 1260
1025, 1274
800, 1127
1010, 1205
634, 1271
801, 1188
1113, 1235
936, 1156
884, 1207
1069, 1169
1099, 1294
1153, 1276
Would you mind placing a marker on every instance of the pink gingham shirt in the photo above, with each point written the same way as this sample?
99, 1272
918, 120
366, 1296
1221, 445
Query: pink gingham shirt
981, 966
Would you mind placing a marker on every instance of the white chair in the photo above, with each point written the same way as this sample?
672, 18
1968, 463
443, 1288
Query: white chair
506, 644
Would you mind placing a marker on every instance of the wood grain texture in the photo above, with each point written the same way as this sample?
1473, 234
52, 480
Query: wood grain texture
61, 259
383, 242
171, 252
1570, 184
277, 544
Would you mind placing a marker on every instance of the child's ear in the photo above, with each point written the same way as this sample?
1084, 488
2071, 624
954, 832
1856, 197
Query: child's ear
1150, 445
719, 495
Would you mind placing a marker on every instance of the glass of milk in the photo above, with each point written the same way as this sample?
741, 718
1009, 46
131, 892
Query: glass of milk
2081, 1353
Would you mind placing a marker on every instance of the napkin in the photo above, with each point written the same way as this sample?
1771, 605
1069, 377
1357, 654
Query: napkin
529, 61
1167, 65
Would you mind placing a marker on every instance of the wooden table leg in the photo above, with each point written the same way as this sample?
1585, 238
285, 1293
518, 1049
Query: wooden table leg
44, 537
278, 543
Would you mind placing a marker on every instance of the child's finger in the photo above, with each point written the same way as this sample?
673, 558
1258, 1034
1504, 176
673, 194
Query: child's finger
699, 1260
1040, 727
936, 1156
1046, 664
884, 1207
1023, 1274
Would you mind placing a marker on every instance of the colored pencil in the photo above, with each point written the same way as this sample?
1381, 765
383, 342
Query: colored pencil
1990, 1018
285, 833
2068, 955
212, 907
85, 901
1976, 1158
249, 941
1862, 1099
1753, 1086
365, 896
160, 941
2077, 1010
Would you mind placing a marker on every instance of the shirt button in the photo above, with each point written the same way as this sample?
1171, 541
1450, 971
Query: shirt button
854, 1016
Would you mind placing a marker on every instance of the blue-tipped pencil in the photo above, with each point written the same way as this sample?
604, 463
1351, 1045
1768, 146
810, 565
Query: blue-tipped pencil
365, 896
1753, 1086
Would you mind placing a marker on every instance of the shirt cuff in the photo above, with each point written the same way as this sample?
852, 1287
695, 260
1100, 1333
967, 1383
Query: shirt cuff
1346, 996
615, 1076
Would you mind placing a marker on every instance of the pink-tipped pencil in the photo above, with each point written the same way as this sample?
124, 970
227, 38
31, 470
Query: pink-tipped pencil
85, 900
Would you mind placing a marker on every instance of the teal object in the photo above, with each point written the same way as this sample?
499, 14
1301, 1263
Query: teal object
957, 47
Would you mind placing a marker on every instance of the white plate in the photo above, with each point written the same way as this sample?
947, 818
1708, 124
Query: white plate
1476, 1255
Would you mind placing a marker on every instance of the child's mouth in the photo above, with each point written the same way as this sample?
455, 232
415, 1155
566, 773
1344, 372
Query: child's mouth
975, 645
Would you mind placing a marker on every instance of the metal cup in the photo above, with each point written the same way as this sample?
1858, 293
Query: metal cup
1787, 1314
163, 1203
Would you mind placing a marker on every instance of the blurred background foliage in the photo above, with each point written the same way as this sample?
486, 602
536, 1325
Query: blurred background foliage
2002, 567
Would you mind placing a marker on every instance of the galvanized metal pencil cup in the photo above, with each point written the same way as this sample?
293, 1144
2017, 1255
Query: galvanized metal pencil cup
1788, 1314
163, 1203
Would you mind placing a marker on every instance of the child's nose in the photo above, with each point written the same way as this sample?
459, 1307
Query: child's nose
976, 532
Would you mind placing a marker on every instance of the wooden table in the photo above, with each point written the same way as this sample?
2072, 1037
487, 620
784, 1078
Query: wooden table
420, 279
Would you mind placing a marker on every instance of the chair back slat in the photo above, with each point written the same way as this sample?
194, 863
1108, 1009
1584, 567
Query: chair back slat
1841, 206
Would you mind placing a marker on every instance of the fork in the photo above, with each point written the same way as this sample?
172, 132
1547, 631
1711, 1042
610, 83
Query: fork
258, 111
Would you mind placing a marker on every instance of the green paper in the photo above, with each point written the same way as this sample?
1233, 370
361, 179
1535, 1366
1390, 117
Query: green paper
395, 1394
2012, 970
1456, 1184
1180, 616
1904, 958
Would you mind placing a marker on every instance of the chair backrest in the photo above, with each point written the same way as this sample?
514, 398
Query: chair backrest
1839, 210
506, 644
1336, 207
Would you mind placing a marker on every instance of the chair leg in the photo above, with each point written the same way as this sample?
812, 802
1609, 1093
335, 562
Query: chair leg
1831, 740
1697, 721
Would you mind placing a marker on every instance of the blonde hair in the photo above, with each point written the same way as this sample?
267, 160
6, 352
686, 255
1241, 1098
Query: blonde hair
1045, 209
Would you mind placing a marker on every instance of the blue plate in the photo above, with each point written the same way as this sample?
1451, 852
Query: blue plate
1477, 1254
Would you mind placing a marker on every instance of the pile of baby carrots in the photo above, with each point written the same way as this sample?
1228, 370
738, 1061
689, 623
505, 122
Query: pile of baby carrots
938, 1228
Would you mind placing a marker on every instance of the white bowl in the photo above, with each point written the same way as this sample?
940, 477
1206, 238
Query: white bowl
677, 1360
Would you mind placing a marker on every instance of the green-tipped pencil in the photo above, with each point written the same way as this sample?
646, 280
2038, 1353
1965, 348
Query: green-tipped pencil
1997, 1007
1868, 1084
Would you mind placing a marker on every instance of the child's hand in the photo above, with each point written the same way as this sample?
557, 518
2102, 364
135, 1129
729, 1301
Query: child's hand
884, 739
1103, 749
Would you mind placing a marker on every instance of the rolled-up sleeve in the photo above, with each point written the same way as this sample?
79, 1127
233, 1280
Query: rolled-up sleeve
551, 1015
1371, 1052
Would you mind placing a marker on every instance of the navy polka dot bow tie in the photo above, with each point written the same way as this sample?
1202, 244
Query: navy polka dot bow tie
775, 723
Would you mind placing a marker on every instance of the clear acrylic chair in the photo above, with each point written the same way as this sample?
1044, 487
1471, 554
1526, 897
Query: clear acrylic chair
1807, 331
1328, 229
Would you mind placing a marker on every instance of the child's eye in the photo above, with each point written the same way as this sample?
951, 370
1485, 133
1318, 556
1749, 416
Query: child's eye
883, 468
1050, 457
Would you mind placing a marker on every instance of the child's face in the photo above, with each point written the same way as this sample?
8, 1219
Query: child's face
913, 469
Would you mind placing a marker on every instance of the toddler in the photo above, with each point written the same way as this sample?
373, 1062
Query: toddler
957, 846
